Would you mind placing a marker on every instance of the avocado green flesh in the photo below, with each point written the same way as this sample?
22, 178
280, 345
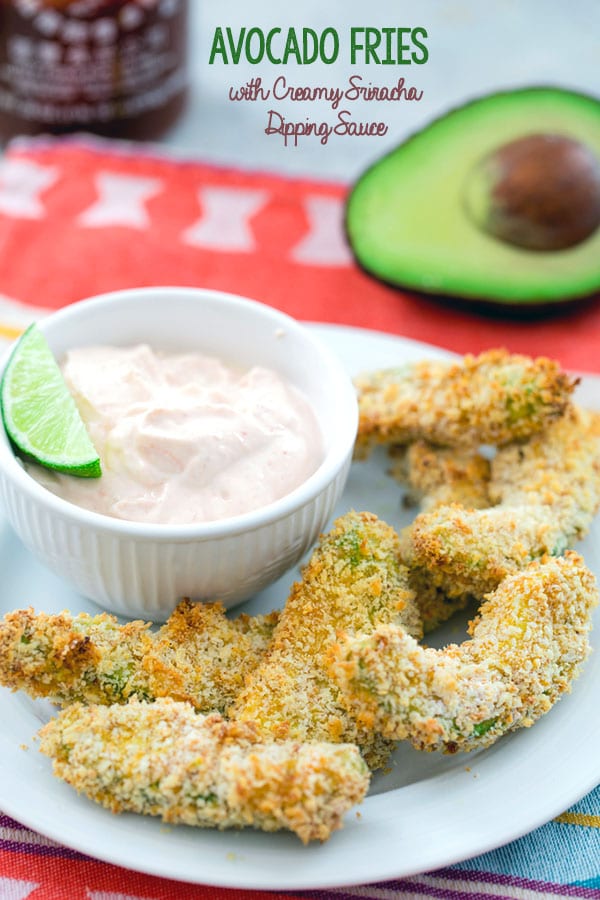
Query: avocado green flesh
406, 218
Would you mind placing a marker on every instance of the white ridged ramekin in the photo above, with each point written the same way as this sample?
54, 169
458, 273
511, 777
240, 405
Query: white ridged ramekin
141, 570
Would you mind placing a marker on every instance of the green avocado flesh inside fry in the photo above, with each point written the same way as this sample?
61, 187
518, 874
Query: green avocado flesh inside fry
482, 728
40, 415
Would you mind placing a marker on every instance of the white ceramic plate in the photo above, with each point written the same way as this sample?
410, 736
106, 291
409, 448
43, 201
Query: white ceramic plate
428, 811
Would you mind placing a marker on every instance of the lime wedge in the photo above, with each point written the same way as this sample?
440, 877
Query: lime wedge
39, 413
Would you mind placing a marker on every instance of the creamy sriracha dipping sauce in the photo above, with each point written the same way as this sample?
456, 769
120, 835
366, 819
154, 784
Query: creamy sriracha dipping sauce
183, 438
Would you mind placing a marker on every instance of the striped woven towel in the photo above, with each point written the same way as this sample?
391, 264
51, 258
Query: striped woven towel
560, 860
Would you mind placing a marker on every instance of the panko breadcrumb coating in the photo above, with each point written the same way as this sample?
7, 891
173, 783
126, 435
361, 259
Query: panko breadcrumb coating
437, 476
199, 655
527, 645
163, 759
547, 492
493, 399
353, 582
68, 658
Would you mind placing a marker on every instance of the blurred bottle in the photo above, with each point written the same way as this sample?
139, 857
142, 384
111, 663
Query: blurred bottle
115, 67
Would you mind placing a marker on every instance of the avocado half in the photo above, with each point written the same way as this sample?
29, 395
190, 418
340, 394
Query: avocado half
408, 219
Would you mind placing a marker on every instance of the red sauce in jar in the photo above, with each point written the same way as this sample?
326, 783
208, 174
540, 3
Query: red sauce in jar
115, 67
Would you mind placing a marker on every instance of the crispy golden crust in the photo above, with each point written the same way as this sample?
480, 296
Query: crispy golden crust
203, 657
66, 658
437, 476
547, 492
162, 759
493, 398
198, 655
527, 645
352, 583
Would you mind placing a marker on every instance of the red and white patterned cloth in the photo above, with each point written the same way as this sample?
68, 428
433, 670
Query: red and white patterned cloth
80, 217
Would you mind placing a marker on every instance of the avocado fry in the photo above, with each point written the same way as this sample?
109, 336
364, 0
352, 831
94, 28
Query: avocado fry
198, 655
527, 645
353, 582
493, 398
546, 491
438, 476
163, 759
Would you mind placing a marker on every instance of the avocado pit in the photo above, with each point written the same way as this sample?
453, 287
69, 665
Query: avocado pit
540, 192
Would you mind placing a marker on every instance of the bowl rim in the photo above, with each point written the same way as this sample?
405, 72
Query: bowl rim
331, 464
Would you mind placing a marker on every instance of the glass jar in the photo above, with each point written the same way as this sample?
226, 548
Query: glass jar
114, 67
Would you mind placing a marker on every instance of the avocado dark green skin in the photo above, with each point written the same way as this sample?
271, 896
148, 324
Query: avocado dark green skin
555, 282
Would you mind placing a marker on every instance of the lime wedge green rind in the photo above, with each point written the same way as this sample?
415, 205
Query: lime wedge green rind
40, 415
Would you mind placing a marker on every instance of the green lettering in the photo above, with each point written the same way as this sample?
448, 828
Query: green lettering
236, 50
403, 48
372, 41
292, 48
270, 56
309, 57
254, 59
354, 44
329, 32
389, 59
218, 47
424, 56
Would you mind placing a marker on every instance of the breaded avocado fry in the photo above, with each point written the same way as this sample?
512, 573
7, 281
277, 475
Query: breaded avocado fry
546, 490
438, 476
493, 398
199, 655
163, 759
353, 582
527, 645
68, 658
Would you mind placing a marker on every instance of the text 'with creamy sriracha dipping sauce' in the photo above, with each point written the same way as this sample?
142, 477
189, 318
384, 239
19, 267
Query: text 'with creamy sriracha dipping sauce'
184, 438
